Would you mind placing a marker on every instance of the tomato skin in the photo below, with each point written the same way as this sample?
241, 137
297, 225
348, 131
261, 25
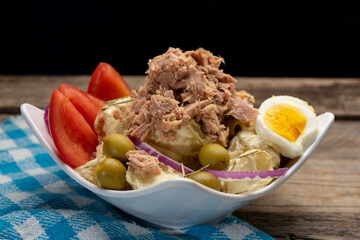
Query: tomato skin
98, 102
82, 102
73, 137
107, 84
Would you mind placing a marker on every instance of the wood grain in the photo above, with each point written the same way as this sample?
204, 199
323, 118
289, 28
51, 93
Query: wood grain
3, 117
321, 201
340, 96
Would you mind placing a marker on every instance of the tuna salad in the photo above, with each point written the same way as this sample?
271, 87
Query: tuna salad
187, 121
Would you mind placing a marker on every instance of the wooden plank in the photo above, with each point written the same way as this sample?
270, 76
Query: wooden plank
15, 90
284, 226
339, 96
3, 117
37, 90
342, 142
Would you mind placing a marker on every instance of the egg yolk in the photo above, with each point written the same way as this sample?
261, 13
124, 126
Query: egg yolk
285, 120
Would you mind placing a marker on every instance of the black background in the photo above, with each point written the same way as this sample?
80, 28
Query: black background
292, 38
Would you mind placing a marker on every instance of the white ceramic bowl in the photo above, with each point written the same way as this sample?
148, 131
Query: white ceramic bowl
174, 203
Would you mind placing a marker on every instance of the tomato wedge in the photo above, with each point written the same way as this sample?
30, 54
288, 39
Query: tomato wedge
107, 84
82, 101
73, 137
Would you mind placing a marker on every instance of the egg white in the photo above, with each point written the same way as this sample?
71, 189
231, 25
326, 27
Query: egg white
284, 146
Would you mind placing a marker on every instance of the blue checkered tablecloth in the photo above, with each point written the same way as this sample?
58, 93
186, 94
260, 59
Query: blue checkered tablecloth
39, 201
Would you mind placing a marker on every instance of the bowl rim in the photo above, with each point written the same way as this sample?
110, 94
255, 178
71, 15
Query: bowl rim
34, 118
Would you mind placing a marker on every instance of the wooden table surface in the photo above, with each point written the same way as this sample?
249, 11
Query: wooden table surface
321, 201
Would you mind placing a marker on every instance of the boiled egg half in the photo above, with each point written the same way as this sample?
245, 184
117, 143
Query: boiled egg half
287, 124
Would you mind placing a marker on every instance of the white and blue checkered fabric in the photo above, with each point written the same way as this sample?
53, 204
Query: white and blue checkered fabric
39, 201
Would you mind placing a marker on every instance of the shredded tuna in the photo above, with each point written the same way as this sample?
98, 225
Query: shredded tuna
240, 110
143, 162
212, 127
180, 86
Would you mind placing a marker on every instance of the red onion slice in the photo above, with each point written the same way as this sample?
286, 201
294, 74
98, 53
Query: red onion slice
46, 117
227, 175
162, 158
222, 175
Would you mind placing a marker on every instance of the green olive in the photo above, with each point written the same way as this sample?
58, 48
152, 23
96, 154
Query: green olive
234, 126
111, 174
116, 146
214, 155
207, 179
